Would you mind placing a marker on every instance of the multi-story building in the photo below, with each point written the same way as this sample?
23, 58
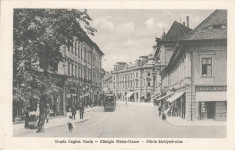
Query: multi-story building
196, 75
164, 49
134, 82
82, 73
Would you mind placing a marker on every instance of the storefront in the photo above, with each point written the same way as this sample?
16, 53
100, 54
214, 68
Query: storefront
130, 97
162, 99
212, 105
177, 104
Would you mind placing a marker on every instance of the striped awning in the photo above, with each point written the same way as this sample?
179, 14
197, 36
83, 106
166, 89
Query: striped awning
163, 97
175, 97
129, 94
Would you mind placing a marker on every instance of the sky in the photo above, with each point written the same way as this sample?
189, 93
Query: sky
125, 34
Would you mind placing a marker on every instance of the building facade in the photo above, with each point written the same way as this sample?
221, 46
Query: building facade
164, 49
134, 82
196, 76
82, 74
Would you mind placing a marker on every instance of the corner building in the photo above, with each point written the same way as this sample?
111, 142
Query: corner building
134, 82
196, 75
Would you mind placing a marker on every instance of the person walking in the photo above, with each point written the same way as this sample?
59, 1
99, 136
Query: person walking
163, 113
26, 125
47, 113
159, 110
81, 111
71, 124
74, 113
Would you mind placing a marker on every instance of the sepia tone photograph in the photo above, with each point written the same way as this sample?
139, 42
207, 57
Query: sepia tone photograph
119, 73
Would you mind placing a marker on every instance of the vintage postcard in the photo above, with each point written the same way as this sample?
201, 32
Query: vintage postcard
123, 75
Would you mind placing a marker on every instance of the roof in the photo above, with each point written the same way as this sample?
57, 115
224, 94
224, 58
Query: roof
176, 32
86, 38
202, 33
203, 30
107, 76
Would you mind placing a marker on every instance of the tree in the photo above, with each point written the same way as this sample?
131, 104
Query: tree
38, 35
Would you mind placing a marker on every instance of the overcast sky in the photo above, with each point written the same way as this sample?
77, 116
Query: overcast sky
124, 35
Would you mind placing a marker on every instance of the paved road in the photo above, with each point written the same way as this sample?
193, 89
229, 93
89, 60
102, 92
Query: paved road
130, 122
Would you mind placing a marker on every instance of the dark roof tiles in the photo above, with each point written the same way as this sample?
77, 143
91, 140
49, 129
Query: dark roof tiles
206, 30
176, 32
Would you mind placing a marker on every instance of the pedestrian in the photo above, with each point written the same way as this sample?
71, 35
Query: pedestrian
37, 112
159, 110
81, 111
47, 113
163, 116
71, 124
26, 125
74, 113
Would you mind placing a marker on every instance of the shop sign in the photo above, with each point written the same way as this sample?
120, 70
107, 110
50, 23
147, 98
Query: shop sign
203, 107
211, 88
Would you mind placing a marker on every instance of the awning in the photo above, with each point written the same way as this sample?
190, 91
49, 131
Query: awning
163, 97
129, 94
155, 95
175, 97
211, 96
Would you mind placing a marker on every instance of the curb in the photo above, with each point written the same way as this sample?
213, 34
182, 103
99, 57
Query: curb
177, 125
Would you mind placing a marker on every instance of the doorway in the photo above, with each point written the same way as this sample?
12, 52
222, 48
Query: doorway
210, 110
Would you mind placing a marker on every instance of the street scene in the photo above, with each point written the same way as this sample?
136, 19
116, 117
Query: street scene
119, 73
131, 120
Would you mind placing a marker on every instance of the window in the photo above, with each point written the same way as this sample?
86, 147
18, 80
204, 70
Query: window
206, 66
136, 74
148, 83
72, 48
79, 49
68, 67
79, 75
72, 70
85, 56
75, 70
149, 73
76, 47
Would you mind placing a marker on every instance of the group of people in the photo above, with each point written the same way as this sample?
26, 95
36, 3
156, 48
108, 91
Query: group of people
34, 115
161, 111
74, 111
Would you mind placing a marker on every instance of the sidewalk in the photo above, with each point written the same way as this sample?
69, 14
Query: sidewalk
18, 129
177, 121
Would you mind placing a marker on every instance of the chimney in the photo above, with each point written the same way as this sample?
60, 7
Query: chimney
187, 18
184, 23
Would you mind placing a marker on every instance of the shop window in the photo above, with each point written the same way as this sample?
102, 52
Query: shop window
206, 66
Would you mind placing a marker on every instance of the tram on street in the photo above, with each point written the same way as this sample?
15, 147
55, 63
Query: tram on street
109, 102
